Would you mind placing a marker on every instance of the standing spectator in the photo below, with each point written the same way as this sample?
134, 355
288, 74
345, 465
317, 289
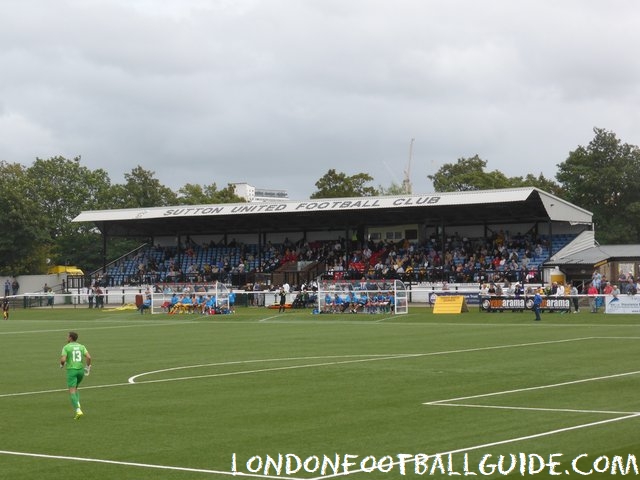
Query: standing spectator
519, 290
592, 291
256, 296
90, 296
283, 299
15, 286
575, 299
537, 303
99, 297
7, 288
596, 280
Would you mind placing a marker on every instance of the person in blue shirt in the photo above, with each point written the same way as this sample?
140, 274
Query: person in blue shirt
187, 304
210, 305
338, 303
199, 306
173, 303
146, 305
346, 302
537, 303
362, 303
328, 303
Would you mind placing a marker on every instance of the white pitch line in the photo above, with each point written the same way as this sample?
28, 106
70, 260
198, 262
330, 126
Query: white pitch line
144, 465
269, 318
145, 324
381, 357
535, 409
528, 389
57, 390
390, 318
263, 360
342, 474
166, 467
389, 357
274, 369
500, 442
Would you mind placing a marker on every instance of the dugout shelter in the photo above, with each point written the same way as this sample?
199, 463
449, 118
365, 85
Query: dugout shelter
578, 260
414, 217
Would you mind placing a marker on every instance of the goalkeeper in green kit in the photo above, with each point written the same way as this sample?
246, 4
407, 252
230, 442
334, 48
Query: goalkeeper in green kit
77, 359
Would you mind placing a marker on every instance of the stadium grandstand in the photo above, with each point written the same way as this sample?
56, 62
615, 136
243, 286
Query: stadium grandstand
505, 235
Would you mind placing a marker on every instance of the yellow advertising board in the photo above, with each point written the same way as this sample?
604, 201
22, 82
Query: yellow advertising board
450, 304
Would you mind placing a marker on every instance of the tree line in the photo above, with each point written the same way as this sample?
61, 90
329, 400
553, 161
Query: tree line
602, 177
38, 202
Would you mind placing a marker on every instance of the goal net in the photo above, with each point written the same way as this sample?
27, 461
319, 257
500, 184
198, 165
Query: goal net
201, 299
366, 296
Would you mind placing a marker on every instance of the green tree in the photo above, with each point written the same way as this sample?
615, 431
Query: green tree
336, 185
541, 182
141, 189
24, 243
393, 189
63, 188
469, 174
603, 178
192, 194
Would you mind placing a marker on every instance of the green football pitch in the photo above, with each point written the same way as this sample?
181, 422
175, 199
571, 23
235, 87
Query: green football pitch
258, 394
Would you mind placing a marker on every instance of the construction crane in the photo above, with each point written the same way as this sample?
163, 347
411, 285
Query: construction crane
406, 182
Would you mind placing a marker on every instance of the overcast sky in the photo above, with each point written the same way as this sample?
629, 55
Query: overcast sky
277, 92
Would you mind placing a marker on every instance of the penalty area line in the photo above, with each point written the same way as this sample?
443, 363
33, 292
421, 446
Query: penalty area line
143, 465
529, 389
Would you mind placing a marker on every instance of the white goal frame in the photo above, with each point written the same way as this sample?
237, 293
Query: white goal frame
376, 292
161, 302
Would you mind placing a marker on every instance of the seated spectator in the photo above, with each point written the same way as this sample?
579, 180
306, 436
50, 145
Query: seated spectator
146, 305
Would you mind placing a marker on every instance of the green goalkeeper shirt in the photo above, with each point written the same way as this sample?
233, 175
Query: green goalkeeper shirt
75, 353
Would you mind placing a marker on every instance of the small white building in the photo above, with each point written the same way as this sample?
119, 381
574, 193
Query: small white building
253, 194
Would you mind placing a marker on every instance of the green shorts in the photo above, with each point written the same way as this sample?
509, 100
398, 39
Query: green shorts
74, 376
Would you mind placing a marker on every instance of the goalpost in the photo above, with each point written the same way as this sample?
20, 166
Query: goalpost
364, 296
202, 299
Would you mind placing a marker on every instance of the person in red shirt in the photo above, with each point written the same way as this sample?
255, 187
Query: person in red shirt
592, 291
